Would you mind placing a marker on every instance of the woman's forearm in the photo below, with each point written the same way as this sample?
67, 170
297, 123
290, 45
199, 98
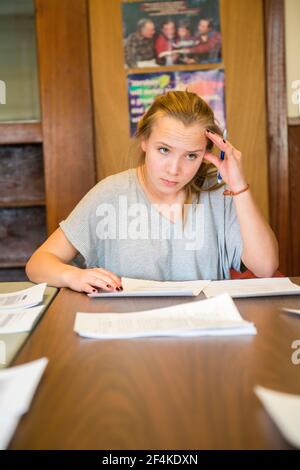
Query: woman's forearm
260, 247
46, 267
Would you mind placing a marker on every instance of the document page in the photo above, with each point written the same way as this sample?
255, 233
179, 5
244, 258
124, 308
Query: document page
17, 321
146, 288
218, 316
252, 287
8, 426
23, 298
284, 409
17, 387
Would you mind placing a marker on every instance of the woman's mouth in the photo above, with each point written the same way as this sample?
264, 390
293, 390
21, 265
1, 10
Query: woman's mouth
169, 182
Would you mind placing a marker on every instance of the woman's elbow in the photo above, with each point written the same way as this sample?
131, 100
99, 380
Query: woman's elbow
268, 269
30, 268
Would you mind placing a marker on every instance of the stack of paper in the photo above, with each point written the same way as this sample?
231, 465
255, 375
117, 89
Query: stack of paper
284, 409
146, 288
17, 387
17, 313
252, 287
218, 316
23, 298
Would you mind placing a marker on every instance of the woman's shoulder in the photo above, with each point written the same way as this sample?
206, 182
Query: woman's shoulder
108, 189
114, 185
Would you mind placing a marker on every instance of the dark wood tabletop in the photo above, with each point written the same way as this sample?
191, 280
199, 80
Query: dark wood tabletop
157, 393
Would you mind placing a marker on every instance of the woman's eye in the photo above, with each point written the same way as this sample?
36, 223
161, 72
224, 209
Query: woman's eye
163, 150
192, 156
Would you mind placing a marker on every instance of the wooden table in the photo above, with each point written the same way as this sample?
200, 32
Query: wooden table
157, 393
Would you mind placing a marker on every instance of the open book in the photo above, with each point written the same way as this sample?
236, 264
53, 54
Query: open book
218, 316
146, 288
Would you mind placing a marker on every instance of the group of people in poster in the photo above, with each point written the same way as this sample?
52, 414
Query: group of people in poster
173, 43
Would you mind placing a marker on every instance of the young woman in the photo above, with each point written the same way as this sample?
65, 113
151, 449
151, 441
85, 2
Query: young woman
167, 219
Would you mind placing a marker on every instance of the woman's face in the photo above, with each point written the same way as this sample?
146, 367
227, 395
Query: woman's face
173, 155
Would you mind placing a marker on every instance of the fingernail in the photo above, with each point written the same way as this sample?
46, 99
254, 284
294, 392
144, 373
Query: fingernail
108, 285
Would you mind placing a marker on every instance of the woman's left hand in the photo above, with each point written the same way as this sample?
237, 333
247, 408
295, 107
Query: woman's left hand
231, 168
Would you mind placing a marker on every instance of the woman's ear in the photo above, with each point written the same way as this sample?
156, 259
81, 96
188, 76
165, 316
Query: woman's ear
144, 145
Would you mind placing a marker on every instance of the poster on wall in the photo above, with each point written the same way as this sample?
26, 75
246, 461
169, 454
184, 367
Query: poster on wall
161, 33
143, 88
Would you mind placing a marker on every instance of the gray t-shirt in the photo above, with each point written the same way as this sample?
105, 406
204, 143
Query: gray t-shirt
115, 227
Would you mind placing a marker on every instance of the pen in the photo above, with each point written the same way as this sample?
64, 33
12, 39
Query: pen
222, 155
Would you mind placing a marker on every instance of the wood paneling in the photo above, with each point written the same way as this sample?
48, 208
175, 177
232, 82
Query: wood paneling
277, 130
109, 87
21, 175
243, 50
65, 89
22, 230
13, 274
243, 46
294, 196
20, 133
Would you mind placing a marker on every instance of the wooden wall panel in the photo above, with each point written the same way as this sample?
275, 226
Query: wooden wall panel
277, 130
294, 197
243, 50
65, 89
243, 46
109, 87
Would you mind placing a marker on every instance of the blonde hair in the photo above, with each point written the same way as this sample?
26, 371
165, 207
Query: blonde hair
189, 109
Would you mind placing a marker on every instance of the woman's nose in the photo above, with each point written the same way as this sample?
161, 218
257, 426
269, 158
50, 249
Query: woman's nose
173, 167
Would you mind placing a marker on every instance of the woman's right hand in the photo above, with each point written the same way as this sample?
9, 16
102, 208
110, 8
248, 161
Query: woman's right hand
90, 280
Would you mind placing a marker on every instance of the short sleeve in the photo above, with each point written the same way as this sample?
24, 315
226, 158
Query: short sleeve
80, 228
232, 236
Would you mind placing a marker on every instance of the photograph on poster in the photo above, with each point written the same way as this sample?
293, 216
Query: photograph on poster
163, 33
143, 88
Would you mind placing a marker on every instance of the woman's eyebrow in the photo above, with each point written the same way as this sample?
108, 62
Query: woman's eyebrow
187, 151
163, 143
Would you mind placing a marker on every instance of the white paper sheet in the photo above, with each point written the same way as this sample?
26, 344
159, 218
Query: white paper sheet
8, 425
17, 387
284, 409
218, 316
252, 287
18, 384
17, 321
146, 288
24, 298
291, 310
